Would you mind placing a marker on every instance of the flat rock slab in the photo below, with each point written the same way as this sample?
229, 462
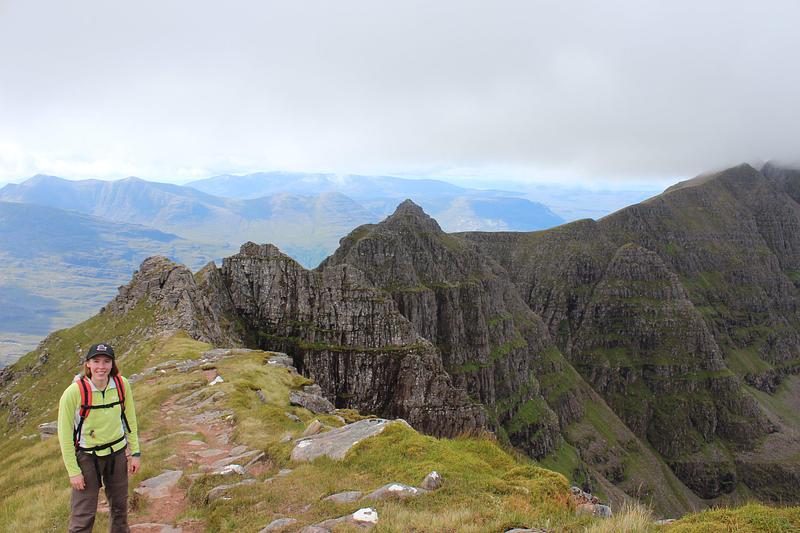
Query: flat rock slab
159, 486
210, 452
230, 469
343, 497
277, 524
238, 459
313, 402
150, 527
219, 491
395, 490
338, 441
366, 517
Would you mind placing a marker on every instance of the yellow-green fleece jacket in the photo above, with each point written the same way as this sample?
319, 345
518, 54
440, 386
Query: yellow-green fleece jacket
101, 426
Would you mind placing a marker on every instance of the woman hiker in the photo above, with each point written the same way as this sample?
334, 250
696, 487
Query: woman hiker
96, 425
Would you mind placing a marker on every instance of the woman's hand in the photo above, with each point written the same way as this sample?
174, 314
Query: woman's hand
77, 482
134, 463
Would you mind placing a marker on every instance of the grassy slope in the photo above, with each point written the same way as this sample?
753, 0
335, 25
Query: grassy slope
487, 489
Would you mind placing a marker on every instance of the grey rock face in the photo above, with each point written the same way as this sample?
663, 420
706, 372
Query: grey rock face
337, 442
349, 337
179, 302
646, 349
464, 303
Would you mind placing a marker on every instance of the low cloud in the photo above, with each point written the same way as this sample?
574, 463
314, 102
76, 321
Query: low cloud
520, 90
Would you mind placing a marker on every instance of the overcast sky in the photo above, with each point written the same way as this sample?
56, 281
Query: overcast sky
598, 92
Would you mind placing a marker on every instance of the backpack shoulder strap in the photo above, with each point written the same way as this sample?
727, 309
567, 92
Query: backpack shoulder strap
120, 390
121, 395
85, 388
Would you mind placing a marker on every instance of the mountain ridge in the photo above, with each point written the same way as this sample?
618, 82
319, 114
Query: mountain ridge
677, 316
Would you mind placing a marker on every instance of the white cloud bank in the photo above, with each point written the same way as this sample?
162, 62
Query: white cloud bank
521, 90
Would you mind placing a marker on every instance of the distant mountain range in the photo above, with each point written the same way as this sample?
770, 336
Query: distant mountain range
308, 226
61, 266
68, 244
456, 208
653, 354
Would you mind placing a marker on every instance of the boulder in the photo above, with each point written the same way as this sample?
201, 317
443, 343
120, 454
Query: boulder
313, 402
395, 490
159, 486
585, 503
313, 428
338, 441
48, 429
432, 481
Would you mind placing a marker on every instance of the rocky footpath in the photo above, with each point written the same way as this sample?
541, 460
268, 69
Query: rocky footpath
203, 437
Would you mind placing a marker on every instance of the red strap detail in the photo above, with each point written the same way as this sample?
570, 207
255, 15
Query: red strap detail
120, 391
86, 396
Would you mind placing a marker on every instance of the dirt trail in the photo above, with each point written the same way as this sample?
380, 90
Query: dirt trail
202, 436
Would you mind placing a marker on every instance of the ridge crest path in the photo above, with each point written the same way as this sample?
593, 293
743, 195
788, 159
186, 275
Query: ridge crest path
203, 443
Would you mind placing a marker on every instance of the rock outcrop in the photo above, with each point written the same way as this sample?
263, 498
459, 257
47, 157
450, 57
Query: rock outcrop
177, 300
670, 306
462, 301
349, 337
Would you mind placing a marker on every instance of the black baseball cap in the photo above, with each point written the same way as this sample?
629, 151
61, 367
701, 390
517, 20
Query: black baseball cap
100, 349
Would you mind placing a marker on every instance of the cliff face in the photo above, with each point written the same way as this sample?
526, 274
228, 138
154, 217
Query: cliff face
666, 334
489, 340
348, 336
178, 301
670, 307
